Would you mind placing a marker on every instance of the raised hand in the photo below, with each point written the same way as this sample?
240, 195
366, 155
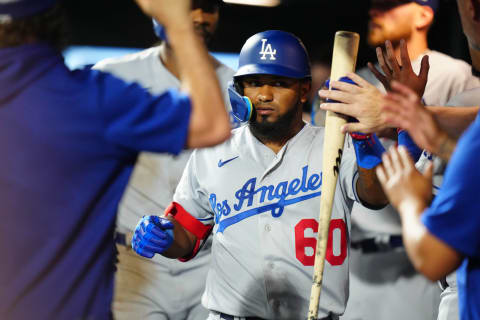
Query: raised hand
152, 235
402, 108
402, 73
405, 187
166, 12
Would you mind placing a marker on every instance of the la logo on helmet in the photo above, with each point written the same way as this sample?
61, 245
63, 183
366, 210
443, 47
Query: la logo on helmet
267, 50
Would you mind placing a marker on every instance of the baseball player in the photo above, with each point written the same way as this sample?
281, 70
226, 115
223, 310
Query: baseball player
69, 140
165, 288
257, 194
376, 238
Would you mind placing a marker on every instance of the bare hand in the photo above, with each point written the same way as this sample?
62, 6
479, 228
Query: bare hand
402, 73
403, 184
166, 12
362, 101
402, 108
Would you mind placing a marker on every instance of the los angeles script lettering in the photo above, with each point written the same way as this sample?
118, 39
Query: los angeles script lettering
246, 196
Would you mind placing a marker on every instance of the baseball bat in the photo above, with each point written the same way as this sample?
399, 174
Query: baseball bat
345, 48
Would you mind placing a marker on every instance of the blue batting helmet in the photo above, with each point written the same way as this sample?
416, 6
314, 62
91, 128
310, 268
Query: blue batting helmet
274, 52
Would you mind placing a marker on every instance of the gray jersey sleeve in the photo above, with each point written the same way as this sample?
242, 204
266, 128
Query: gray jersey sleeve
191, 195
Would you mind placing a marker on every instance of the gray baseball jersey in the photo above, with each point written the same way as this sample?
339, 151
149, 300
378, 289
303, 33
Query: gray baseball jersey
389, 275
264, 208
150, 190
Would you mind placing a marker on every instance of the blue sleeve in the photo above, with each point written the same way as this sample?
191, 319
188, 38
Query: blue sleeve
135, 119
454, 216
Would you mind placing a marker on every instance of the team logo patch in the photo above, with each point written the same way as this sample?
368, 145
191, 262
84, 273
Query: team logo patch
267, 50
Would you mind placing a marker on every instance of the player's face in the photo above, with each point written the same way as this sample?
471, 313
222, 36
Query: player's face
204, 15
392, 24
277, 102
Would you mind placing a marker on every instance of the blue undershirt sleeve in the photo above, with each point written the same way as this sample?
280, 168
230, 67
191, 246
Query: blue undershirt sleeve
454, 216
135, 119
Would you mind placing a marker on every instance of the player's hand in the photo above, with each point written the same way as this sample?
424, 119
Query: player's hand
402, 108
152, 235
404, 185
362, 102
166, 12
402, 73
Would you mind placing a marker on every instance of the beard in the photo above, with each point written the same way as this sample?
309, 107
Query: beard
277, 131
202, 31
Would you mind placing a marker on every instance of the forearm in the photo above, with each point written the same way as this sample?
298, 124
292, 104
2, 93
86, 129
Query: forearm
183, 243
445, 147
369, 189
209, 122
454, 120
430, 256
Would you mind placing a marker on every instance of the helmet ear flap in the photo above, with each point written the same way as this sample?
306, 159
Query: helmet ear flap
242, 107
159, 30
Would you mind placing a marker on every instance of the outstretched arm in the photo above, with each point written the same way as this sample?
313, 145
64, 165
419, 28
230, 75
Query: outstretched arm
410, 193
454, 120
402, 108
209, 122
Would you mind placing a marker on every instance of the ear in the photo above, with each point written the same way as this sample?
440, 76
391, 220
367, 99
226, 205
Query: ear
424, 17
305, 88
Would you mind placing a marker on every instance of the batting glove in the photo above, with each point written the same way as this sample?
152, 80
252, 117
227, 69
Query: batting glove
152, 235
404, 139
368, 149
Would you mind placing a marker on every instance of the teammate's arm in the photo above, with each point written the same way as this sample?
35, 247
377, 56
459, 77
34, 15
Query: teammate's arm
440, 127
209, 122
454, 120
410, 192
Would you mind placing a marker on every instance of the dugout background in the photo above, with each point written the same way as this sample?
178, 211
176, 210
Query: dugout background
120, 23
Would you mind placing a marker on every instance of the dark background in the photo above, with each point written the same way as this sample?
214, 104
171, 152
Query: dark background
121, 23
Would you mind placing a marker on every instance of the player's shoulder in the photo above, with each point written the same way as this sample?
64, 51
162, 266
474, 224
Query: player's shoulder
129, 61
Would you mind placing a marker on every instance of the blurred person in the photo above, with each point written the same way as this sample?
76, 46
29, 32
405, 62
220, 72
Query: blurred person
160, 288
70, 139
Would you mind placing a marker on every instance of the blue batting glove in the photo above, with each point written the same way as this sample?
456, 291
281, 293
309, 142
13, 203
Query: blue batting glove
404, 139
368, 149
152, 235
